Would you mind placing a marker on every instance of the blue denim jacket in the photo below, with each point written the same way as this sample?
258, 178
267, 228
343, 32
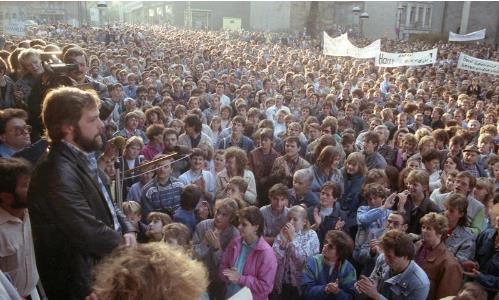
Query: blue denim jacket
412, 284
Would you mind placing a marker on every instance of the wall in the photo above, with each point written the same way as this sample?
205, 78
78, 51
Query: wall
270, 16
382, 19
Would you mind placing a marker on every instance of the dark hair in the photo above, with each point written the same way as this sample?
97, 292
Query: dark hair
430, 155
278, 189
193, 120
266, 133
71, 53
3, 65
342, 242
372, 137
374, 189
471, 178
190, 197
399, 242
241, 184
64, 106
293, 139
11, 113
10, 171
336, 187
153, 130
459, 202
253, 215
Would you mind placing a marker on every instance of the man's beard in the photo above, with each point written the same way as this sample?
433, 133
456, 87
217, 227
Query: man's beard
86, 144
18, 203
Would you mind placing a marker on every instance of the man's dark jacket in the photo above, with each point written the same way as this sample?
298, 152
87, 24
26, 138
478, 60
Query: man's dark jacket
71, 223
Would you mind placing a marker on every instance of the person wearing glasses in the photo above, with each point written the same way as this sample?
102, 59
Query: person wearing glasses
14, 133
330, 275
396, 274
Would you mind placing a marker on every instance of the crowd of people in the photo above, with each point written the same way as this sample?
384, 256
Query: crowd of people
143, 162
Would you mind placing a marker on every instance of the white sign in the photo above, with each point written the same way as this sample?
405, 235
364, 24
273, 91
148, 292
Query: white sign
474, 64
14, 28
385, 59
341, 46
473, 36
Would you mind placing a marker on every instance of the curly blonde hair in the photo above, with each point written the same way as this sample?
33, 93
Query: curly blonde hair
149, 271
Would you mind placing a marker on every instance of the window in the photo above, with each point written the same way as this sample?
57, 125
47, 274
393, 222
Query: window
420, 15
427, 17
412, 14
403, 14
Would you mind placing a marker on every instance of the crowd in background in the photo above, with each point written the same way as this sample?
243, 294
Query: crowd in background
294, 174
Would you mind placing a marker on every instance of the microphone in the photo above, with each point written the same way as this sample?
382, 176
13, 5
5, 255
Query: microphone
119, 143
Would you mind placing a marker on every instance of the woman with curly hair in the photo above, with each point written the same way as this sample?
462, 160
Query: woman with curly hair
236, 161
149, 271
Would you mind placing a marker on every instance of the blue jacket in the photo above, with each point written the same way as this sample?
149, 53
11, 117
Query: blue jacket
328, 223
412, 284
488, 259
316, 277
349, 201
245, 143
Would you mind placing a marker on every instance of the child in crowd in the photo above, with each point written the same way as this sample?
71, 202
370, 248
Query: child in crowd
235, 189
155, 223
275, 214
133, 211
293, 245
371, 218
185, 214
177, 234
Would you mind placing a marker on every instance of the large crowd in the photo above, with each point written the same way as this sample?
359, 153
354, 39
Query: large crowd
231, 160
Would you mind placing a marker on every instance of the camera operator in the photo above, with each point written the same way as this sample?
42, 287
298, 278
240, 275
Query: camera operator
76, 56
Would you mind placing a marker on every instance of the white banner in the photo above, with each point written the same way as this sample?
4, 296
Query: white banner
385, 59
474, 64
14, 28
473, 36
341, 46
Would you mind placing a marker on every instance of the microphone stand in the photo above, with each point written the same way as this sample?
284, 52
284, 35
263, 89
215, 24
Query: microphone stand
119, 182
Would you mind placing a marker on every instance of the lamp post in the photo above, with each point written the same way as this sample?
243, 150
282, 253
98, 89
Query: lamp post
363, 16
400, 9
355, 20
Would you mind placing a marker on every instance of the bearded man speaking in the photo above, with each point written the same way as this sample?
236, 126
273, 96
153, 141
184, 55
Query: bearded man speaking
74, 220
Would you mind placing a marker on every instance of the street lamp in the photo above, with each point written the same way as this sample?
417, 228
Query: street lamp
363, 16
355, 22
400, 9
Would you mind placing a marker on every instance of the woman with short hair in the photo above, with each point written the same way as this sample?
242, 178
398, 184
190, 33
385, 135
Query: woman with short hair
248, 260
330, 275
442, 268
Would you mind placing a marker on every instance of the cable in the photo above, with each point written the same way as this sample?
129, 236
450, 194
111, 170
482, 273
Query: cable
152, 170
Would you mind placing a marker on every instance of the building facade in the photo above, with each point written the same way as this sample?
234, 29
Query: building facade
43, 12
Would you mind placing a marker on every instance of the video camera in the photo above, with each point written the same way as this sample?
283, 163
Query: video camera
53, 64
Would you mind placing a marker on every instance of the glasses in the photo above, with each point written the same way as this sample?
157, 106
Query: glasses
20, 130
329, 246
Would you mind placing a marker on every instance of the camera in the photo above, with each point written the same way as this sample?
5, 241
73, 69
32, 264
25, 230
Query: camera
62, 68
53, 64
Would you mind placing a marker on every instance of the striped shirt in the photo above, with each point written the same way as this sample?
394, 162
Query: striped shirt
161, 197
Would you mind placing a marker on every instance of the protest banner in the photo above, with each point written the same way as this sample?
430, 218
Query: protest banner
472, 36
474, 64
385, 59
341, 46
14, 28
